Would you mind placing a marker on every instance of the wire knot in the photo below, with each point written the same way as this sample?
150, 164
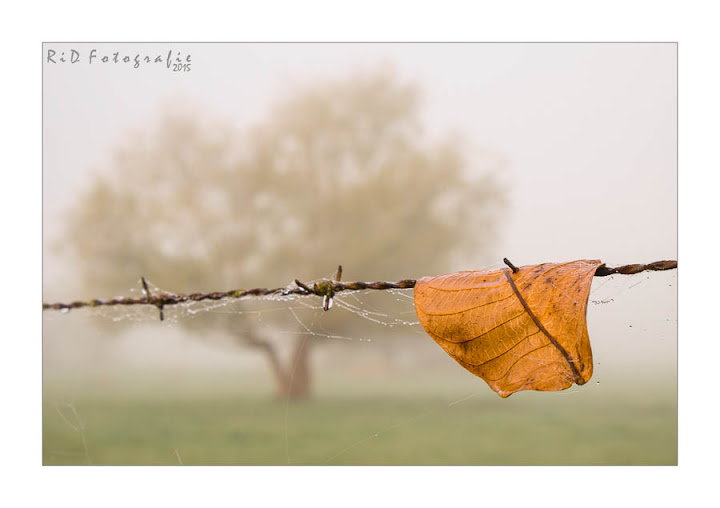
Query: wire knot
151, 299
514, 268
325, 288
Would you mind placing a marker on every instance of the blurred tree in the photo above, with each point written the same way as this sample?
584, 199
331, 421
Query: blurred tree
339, 172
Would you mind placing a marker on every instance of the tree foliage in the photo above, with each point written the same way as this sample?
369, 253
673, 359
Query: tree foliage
339, 172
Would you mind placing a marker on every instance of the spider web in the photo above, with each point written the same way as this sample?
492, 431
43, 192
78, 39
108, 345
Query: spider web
632, 322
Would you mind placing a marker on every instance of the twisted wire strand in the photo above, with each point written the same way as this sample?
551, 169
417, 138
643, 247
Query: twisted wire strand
604, 271
324, 288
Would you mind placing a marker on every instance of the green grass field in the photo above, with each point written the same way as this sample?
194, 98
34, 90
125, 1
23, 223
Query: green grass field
582, 427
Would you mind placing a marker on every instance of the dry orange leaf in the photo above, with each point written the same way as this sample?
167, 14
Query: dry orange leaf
518, 331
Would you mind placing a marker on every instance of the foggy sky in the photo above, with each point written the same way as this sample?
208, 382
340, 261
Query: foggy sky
586, 133
584, 136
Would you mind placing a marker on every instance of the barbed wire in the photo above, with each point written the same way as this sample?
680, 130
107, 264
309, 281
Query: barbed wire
325, 289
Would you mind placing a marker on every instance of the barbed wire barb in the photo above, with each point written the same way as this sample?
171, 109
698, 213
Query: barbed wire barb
326, 289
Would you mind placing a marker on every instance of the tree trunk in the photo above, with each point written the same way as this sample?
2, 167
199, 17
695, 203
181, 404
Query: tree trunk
293, 381
297, 384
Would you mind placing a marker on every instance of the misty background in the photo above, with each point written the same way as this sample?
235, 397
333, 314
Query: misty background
567, 151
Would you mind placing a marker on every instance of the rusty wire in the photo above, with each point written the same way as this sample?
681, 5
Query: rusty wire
325, 289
